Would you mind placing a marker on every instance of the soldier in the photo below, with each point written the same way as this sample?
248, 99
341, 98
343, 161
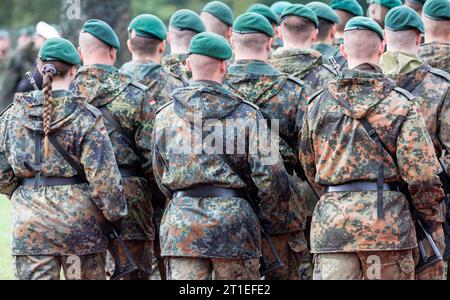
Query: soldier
5, 61
298, 31
129, 114
431, 88
360, 137
346, 10
436, 50
326, 36
278, 7
417, 5
279, 97
57, 166
183, 25
379, 8
266, 12
209, 226
218, 18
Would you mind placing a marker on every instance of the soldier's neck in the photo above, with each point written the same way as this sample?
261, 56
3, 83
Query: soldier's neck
252, 56
145, 59
353, 63
298, 44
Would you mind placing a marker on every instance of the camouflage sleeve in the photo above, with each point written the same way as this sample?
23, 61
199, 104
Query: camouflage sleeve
158, 167
418, 165
8, 181
103, 174
306, 151
143, 137
443, 125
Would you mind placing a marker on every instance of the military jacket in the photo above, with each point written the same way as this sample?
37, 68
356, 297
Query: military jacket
436, 54
176, 63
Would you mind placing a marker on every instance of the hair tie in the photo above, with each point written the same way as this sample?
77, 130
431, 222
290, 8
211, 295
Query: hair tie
49, 68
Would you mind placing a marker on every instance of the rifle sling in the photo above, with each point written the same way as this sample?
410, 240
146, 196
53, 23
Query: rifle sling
115, 124
75, 165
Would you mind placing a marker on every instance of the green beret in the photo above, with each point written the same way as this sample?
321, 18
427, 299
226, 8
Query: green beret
186, 19
279, 6
438, 10
265, 11
59, 49
149, 26
27, 31
420, 2
221, 11
252, 23
387, 3
302, 11
211, 45
364, 23
350, 6
102, 31
323, 11
403, 18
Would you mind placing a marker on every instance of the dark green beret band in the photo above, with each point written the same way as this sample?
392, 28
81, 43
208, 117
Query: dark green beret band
302, 11
364, 23
59, 49
186, 19
265, 11
149, 26
387, 3
438, 10
102, 31
250, 22
221, 11
324, 12
350, 6
279, 6
403, 18
211, 45
420, 2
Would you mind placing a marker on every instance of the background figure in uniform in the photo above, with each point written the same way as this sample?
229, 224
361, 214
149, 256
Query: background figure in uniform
362, 135
436, 50
379, 8
5, 61
268, 13
209, 228
183, 25
129, 113
218, 18
280, 98
59, 205
346, 10
417, 5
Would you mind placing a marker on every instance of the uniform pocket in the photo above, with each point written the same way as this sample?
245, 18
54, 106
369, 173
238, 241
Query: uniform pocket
407, 266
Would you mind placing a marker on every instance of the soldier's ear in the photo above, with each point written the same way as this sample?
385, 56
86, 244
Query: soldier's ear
333, 32
113, 54
269, 45
232, 43
343, 52
168, 37
188, 65
80, 53
314, 35
162, 47
229, 31
280, 32
129, 46
418, 39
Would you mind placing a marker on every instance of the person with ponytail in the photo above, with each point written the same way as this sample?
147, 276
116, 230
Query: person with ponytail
58, 168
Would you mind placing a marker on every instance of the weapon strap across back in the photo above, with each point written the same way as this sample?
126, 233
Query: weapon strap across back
61, 150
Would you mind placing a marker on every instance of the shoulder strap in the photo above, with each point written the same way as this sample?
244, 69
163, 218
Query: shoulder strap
115, 124
76, 166
93, 110
253, 105
405, 93
296, 80
139, 85
329, 68
8, 107
164, 106
440, 73
314, 96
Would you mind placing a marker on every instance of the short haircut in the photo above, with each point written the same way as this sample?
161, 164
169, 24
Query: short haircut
203, 66
142, 45
401, 40
325, 27
254, 42
439, 29
89, 44
360, 44
294, 28
344, 17
213, 24
181, 38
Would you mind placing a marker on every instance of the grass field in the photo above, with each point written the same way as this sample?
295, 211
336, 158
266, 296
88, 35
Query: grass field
5, 236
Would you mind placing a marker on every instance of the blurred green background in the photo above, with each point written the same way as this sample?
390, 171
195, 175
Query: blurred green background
6, 271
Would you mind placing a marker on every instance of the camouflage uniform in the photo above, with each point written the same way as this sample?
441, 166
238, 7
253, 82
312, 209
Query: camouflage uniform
170, 64
430, 86
336, 149
328, 51
5, 100
304, 64
280, 98
128, 105
436, 55
63, 225
220, 234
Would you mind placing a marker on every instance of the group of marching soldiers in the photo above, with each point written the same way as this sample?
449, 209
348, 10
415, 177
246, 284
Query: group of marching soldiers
293, 142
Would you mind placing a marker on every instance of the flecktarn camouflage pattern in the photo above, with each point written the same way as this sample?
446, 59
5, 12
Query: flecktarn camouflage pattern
436, 54
174, 63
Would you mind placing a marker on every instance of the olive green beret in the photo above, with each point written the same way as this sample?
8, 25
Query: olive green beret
279, 6
186, 19
102, 31
403, 18
302, 11
148, 26
437, 10
221, 11
387, 3
252, 23
350, 6
364, 23
265, 11
212, 45
323, 11
59, 49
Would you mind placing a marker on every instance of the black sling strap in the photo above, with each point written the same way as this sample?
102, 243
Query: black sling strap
115, 124
54, 141
380, 178
37, 158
